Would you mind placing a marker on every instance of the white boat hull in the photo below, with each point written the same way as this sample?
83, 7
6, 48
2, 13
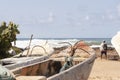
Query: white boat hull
116, 42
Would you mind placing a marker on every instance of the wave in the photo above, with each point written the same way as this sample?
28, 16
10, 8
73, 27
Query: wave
22, 43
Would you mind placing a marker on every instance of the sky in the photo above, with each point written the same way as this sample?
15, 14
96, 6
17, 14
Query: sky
63, 18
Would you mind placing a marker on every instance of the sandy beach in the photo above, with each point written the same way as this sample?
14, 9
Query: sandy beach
105, 69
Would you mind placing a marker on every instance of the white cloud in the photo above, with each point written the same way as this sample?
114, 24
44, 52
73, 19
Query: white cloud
78, 23
45, 20
118, 9
42, 21
110, 16
103, 17
87, 18
50, 17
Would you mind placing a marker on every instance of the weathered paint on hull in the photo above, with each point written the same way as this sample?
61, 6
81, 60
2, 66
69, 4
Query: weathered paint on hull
40, 69
80, 71
26, 62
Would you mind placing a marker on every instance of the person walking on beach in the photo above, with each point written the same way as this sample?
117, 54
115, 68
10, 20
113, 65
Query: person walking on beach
103, 49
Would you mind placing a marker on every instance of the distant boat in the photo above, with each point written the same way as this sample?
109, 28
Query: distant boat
116, 42
23, 59
49, 69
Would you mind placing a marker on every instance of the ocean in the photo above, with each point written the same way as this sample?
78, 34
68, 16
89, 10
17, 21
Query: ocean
54, 42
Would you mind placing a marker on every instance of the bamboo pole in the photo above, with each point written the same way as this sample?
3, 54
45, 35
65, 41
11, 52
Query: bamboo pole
29, 44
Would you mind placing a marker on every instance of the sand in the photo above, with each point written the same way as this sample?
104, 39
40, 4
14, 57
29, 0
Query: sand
105, 69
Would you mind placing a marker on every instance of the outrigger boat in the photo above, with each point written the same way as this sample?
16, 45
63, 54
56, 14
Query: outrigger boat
30, 55
57, 67
23, 60
27, 56
35, 54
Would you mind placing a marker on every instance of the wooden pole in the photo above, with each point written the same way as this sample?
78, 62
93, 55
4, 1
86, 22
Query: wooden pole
29, 44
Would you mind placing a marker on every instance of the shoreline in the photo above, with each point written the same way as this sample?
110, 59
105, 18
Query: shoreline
106, 69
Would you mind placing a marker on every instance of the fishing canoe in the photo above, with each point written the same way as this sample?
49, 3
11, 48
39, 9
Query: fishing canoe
23, 59
37, 53
49, 69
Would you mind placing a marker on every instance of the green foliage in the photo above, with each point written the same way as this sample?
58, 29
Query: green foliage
17, 50
7, 35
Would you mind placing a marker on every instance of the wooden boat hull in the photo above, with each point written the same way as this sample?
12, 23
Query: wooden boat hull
80, 71
12, 63
50, 69
23, 60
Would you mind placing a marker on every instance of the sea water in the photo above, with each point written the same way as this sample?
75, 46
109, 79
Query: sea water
55, 42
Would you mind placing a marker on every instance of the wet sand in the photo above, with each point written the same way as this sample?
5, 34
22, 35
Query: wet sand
105, 69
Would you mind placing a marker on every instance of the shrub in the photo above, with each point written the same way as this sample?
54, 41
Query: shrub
7, 35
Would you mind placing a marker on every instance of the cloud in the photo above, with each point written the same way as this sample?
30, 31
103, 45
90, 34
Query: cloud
50, 17
41, 19
87, 18
118, 9
108, 17
111, 17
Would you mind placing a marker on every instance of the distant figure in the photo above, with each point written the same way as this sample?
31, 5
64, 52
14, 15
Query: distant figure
103, 49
